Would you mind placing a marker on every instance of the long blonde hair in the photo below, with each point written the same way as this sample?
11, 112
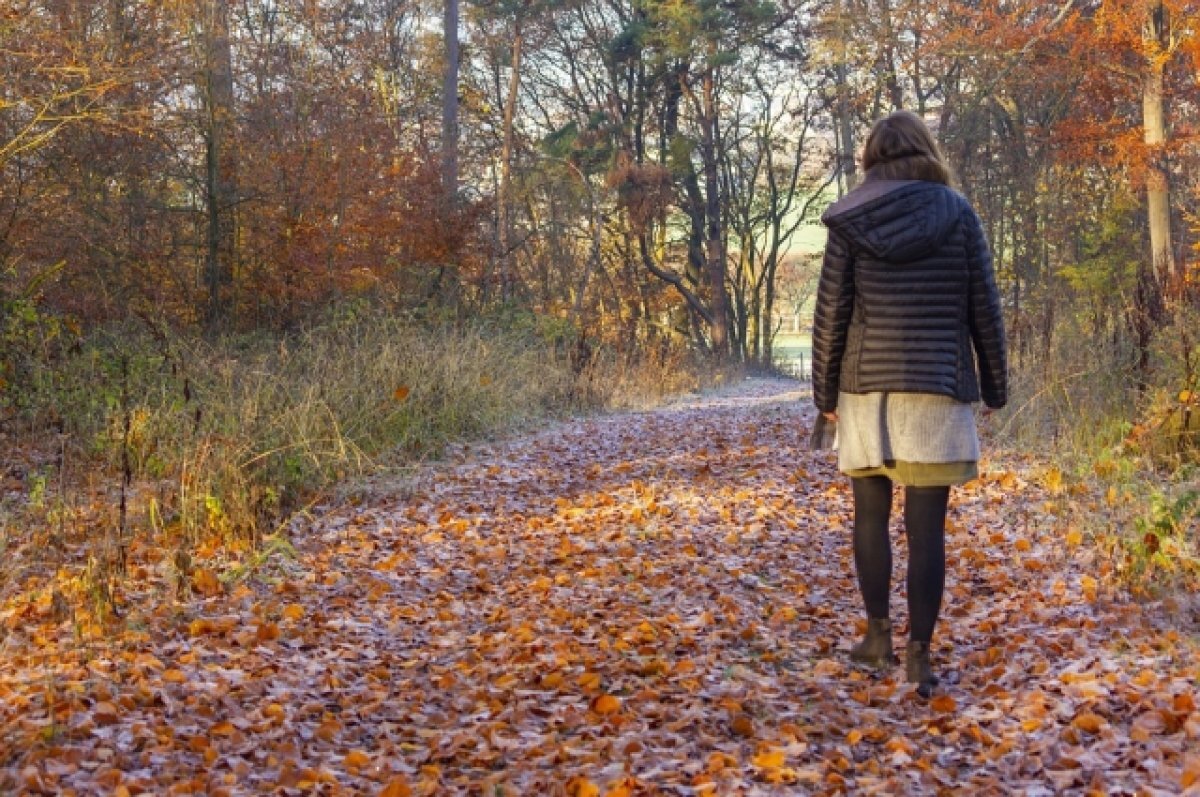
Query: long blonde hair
900, 147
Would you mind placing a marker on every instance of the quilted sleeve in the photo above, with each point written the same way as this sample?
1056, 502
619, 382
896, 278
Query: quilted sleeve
985, 318
835, 302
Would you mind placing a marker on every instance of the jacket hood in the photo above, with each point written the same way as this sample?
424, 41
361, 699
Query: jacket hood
895, 220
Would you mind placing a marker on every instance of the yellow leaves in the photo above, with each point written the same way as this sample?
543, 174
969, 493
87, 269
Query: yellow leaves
1052, 479
589, 681
174, 676
1089, 586
1074, 537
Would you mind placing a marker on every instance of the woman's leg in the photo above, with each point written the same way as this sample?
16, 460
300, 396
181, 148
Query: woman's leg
872, 548
925, 523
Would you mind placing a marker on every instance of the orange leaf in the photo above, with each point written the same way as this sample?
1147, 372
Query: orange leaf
400, 393
206, 582
1190, 775
1089, 722
105, 713
622, 789
396, 787
293, 611
742, 725
582, 787
769, 759
943, 704
606, 705
356, 759
173, 676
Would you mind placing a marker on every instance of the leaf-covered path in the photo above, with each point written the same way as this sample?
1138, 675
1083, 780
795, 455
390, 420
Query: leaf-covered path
644, 603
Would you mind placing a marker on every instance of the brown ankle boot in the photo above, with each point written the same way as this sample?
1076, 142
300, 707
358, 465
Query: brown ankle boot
876, 648
917, 668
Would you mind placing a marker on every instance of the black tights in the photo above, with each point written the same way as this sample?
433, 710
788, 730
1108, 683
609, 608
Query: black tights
925, 524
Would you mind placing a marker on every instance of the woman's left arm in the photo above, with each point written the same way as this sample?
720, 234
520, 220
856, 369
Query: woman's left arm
985, 318
831, 321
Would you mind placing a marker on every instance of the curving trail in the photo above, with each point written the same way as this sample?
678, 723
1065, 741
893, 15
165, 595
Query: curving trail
642, 603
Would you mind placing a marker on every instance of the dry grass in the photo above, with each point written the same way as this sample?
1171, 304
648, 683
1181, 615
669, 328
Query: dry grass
223, 442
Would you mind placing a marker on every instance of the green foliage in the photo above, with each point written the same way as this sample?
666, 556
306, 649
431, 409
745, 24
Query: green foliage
32, 341
1107, 254
1164, 550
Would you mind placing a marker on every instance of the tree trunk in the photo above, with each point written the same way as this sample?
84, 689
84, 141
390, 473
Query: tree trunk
845, 121
714, 240
504, 256
220, 176
450, 101
1158, 196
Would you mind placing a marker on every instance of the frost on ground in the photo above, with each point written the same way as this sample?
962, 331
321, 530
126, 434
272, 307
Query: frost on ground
642, 603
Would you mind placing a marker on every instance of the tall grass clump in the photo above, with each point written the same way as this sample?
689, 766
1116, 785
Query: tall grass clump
1124, 426
238, 431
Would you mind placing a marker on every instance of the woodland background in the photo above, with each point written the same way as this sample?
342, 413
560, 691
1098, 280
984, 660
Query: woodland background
252, 248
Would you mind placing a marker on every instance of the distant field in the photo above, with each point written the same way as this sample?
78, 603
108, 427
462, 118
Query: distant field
793, 353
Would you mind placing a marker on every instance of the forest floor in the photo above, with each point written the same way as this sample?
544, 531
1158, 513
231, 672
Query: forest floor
655, 602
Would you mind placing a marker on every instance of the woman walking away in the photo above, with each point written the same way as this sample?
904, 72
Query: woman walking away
907, 335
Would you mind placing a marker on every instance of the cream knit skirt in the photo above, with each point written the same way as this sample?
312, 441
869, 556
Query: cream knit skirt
916, 439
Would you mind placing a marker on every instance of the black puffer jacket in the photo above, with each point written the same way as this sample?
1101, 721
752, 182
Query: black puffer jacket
906, 295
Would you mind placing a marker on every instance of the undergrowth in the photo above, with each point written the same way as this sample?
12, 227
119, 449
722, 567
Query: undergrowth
169, 450
1126, 439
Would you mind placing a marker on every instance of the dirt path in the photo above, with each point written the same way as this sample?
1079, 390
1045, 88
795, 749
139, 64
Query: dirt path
648, 603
